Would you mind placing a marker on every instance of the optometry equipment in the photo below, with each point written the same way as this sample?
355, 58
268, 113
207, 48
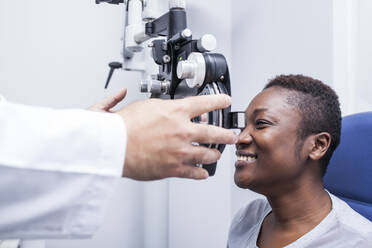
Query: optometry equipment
172, 63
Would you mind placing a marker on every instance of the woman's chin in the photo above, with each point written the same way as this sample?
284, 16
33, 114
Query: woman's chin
242, 180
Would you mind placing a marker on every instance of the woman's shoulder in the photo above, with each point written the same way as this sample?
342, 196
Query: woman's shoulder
246, 223
349, 220
249, 215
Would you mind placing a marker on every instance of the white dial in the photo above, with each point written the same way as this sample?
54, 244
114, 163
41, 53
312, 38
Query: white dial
207, 43
192, 70
177, 4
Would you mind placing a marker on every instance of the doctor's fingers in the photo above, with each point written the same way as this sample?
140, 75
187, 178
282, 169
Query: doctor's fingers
110, 101
190, 172
198, 105
209, 134
197, 155
201, 155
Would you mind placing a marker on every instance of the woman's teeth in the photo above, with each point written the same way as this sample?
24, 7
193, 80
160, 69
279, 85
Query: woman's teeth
247, 158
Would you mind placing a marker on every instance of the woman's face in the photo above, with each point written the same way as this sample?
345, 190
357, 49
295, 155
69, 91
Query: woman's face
269, 154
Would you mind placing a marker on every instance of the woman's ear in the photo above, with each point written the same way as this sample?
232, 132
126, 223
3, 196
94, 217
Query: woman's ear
320, 145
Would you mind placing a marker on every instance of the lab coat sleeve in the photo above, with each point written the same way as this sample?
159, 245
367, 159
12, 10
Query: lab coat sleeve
57, 170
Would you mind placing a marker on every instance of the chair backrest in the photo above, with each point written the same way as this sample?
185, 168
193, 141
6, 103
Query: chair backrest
349, 174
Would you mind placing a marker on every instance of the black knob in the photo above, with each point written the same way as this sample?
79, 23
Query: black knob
113, 66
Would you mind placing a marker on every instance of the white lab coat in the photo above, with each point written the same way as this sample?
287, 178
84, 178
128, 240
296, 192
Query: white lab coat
57, 170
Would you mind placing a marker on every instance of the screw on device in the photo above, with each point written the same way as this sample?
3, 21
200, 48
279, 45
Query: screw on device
113, 66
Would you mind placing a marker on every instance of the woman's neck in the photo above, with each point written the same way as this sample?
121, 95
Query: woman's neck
304, 206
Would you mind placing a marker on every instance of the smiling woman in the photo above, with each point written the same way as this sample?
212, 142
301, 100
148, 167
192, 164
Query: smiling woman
292, 128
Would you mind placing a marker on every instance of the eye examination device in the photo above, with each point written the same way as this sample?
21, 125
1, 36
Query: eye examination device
172, 63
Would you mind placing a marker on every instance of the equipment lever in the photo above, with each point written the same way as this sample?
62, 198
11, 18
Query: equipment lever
113, 66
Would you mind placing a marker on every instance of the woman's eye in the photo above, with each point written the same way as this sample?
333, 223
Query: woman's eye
260, 124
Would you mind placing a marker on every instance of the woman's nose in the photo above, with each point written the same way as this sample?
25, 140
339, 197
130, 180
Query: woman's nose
245, 138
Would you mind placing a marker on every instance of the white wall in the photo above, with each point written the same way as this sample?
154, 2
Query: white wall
352, 51
363, 54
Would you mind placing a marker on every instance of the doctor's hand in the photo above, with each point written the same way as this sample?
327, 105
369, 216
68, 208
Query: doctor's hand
160, 136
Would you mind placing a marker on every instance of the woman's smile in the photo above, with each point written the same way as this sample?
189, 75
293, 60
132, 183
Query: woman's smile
245, 159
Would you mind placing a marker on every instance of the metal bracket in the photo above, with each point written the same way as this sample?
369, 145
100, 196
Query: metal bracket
236, 120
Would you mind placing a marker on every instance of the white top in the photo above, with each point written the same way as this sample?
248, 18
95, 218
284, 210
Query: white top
341, 228
57, 168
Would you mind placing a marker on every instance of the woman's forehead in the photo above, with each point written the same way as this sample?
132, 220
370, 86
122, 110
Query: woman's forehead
272, 100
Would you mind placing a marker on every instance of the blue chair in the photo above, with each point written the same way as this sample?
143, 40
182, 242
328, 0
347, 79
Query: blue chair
349, 174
